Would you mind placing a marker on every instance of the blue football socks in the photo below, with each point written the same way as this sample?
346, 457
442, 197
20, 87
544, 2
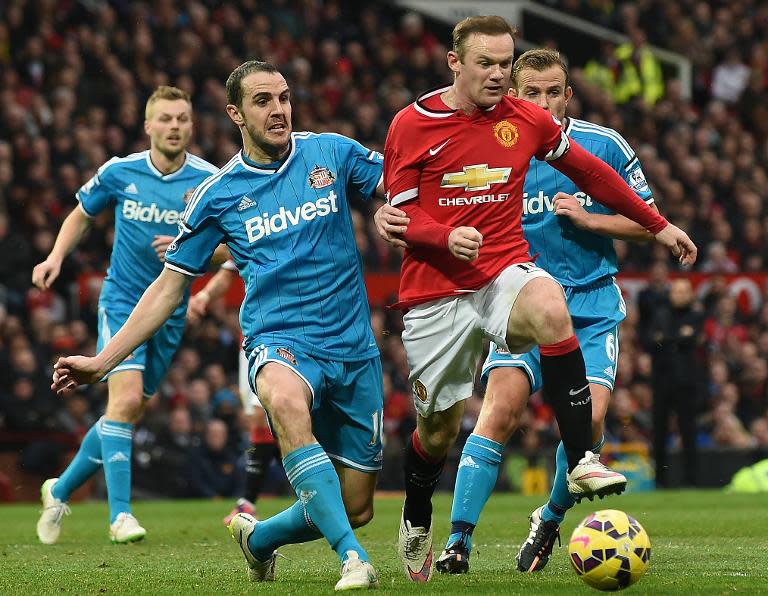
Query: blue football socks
85, 464
475, 480
290, 526
116, 443
319, 510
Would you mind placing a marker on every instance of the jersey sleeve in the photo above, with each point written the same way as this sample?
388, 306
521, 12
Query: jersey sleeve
363, 166
632, 172
199, 235
554, 142
97, 194
402, 168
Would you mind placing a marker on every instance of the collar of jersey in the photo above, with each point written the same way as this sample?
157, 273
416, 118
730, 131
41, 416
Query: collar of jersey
268, 168
421, 108
159, 174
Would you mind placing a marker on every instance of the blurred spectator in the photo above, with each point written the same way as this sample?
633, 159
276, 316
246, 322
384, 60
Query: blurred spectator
723, 324
214, 467
164, 461
653, 296
623, 420
639, 71
730, 77
717, 259
759, 430
75, 418
603, 69
676, 332
729, 431
15, 264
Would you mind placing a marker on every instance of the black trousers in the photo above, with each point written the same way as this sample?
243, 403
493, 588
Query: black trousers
671, 398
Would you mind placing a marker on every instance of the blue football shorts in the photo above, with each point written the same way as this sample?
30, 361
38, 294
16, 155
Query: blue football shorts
596, 311
347, 402
153, 357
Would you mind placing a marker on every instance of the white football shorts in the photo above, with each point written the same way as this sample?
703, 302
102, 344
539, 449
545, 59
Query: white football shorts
443, 338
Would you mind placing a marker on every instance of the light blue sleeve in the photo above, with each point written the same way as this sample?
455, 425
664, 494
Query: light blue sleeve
96, 195
363, 167
199, 235
631, 171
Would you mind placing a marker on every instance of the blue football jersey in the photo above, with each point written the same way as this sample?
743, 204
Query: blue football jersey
575, 257
289, 230
146, 203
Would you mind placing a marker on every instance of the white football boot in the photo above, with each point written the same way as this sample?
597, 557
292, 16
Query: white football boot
54, 510
125, 529
590, 479
240, 528
414, 546
356, 574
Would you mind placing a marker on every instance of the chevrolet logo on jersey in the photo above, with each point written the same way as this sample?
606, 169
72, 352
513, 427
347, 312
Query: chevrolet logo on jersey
477, 177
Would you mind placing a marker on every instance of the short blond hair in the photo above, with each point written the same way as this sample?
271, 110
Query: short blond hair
486, 25
538, 60
165, 92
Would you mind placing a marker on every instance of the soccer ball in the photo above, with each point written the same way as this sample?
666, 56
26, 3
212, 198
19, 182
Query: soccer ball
609, 550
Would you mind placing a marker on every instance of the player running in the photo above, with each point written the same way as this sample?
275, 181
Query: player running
281, 206
455, 163
572, 236
146, 191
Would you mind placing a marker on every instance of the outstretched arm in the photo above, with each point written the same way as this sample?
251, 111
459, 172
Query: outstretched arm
599, 180
613, 226
72, 230
159, 301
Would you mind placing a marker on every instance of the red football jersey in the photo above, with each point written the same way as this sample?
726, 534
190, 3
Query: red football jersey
465, 170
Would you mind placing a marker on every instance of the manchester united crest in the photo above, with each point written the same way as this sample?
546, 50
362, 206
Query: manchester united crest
321, 177
505, 133
420, 391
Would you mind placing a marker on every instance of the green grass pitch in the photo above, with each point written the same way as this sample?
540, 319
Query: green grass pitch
703, 542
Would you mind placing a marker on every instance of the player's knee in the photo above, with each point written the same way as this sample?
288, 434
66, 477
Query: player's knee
551, 320
360, 517
439, 440
499, 425
286, 407
125, 407
506, 415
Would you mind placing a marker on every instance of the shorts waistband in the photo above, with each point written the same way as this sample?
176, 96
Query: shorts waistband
595, 285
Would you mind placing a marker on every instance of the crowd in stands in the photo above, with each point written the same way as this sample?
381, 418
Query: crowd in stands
74, 77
